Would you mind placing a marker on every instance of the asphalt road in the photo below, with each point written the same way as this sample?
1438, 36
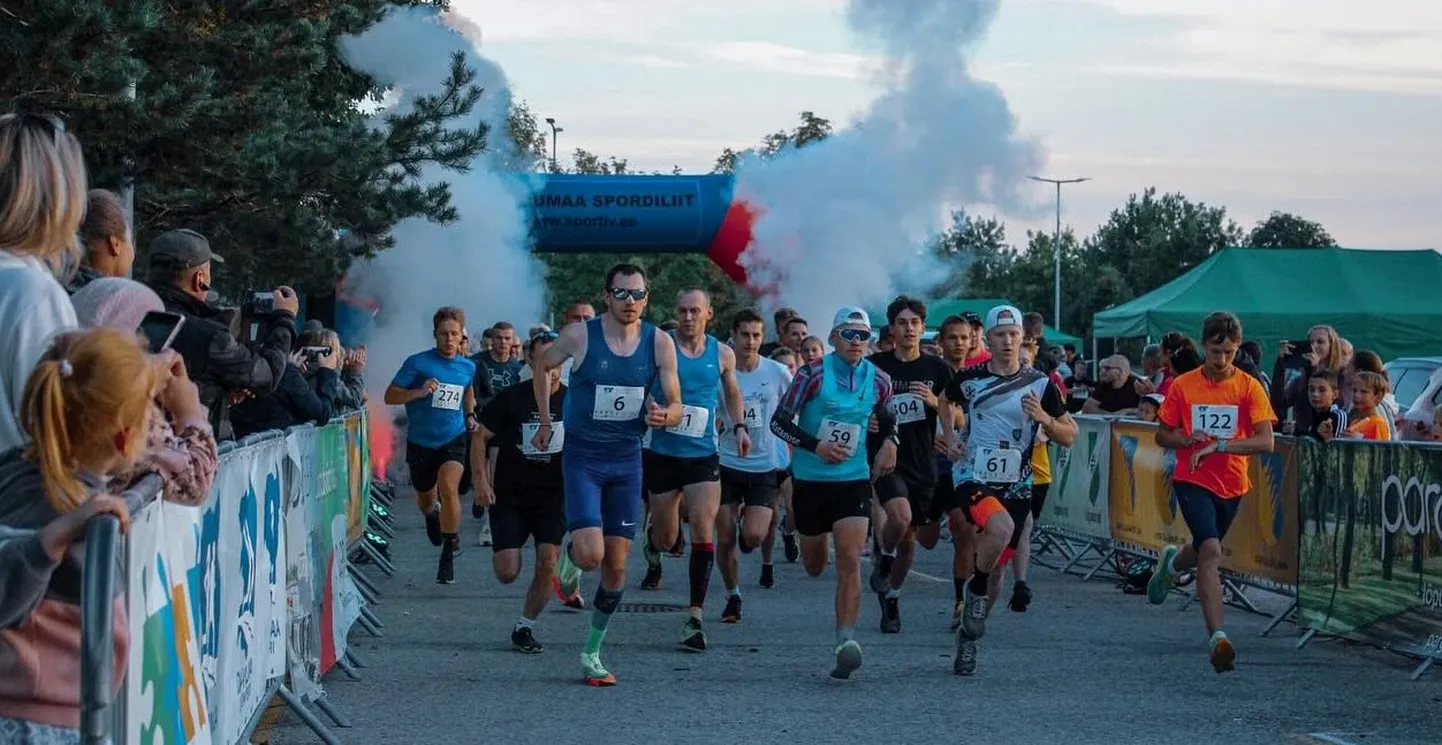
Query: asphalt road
1087, 664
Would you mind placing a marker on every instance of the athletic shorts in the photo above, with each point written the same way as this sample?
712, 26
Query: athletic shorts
1038, 499
667, 473
943, 498
920, 496
603, 488
816, 506
1206, 514
984, 501
747, 488
425, 463
512, 524
782, 476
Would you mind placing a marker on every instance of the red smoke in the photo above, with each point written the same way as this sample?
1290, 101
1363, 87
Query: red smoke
382, 437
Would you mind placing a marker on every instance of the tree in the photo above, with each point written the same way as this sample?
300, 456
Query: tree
1153, 240
585, 161
527, 140
976, 256
1285, 230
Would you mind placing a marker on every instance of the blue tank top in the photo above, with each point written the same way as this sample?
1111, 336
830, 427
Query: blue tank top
700, 376
606, 403
837, 416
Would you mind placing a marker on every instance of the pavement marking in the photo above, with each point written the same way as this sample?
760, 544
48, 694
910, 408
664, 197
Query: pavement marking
909, 574
1329, 738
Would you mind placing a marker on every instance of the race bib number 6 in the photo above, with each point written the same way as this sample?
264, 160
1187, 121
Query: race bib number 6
840, 432
618, 403
908, 408
997, 465
447, 397
1215, 421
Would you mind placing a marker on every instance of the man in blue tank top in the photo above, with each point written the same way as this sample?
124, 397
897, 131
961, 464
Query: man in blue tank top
824, 415
682, 459
617, 358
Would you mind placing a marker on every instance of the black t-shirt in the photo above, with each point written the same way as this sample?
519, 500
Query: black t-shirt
1117, 399
492, 377
523, 480
916, 455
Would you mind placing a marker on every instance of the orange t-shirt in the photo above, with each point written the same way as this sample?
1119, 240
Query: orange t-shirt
1227, 410
1373, 427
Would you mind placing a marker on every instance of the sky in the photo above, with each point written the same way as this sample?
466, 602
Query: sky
1330, 109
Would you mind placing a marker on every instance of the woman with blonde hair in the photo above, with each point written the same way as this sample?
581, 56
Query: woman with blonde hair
87, 408
42, 201
1289, 385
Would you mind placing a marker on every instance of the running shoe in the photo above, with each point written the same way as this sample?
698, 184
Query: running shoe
973, 617
652, 580
965, 661
890, 615
693, 635
1020, 597
880, 580
768, 576
433, 525
848, 659
652, 556
793, 551
679, 547
1224, 655
446, 570
523, 640
595, 673
1163, 578
484, 537
956, 614
568, 576
732, 614
572, 601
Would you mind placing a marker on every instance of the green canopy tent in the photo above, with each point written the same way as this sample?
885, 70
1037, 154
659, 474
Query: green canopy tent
938, 310
1377, 300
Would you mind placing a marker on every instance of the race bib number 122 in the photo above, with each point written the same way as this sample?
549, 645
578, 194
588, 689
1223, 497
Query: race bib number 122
1215, 421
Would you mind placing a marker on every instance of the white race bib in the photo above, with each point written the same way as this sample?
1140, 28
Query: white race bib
693, 422
1214, 420
908, 408
618, 403
752, 420
840, 432
448, 397
996, 465
558, 438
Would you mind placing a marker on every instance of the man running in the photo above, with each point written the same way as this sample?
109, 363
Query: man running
496, 370
682, 461
1214, 417
1005, 403
435, 388
749, 481
906, 494
607, 410
824, 415
525, 496
955, 338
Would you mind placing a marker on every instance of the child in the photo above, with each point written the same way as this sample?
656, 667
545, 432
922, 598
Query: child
812, 350
788, 358
1367, 423
1148, 407
1437, 424
1328, 418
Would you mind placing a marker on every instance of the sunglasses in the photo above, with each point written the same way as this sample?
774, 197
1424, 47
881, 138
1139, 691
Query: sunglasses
621, 293
546, 336
855, 336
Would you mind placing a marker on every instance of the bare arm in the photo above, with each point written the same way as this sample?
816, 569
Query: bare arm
398, 396
1091, 407
670, 381
1062, 429
480, 444
730, 387
571, 343
1173, 437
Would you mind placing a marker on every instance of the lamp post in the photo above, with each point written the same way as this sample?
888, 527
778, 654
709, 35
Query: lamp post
554, 131
1056, 245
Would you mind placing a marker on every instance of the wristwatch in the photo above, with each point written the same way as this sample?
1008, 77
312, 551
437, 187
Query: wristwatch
1221, 446
740, 426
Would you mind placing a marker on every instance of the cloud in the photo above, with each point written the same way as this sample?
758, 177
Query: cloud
623, 20
768, 57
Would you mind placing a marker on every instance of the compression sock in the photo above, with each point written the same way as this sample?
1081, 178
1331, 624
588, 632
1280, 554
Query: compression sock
604, 604
703, 557
978, 583
450, 542
885, 561
959, 585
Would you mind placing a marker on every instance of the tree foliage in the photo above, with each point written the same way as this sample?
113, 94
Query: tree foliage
1285, 230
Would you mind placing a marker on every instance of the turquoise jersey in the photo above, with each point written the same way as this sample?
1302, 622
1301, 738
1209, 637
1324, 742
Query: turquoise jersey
834, 415
700, 378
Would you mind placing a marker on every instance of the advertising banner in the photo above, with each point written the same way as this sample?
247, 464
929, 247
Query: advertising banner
1144, 510
302, 593
358, 471
1078, 503
1262, 543
1371, 544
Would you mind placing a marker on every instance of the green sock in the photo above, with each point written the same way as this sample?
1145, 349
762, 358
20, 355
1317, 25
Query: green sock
594, 639
603, 606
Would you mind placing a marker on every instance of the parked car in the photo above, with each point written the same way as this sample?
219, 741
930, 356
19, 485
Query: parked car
1417, 386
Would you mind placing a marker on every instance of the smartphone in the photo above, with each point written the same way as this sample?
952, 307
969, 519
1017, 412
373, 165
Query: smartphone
316, 351
160, 328
263, 302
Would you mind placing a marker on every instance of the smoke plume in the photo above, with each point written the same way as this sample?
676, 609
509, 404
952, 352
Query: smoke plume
845, 221
482, 261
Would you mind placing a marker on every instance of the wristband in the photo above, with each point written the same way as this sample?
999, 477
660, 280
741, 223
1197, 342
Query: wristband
1221, 446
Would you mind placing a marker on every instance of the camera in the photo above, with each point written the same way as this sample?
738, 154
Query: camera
259, 304
316, 351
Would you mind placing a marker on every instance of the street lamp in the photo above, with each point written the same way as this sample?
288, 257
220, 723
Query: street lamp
554, 131
1056, 245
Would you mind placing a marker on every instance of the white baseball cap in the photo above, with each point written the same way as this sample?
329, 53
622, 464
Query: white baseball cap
850, 315
1003, 315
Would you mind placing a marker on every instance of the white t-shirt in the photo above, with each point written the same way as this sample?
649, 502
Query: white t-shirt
33, 309
761, 392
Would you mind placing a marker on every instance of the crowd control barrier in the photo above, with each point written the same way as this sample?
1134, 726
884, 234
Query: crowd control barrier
245, 598
1351, 530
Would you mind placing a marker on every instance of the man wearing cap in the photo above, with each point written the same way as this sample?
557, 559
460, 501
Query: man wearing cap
180, 273
824, 416
1005, 403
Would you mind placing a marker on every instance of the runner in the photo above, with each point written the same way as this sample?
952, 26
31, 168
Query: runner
906, 494
783, 518
435, 387
1214, 417
955, 335
616, 357
525, 496
496, 370
1006, 403
824, 415
682, 460
749, 481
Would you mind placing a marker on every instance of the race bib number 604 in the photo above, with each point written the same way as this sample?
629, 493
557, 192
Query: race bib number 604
908, 408
618, 403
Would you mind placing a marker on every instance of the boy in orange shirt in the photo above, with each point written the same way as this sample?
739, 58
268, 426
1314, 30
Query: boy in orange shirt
1214, 417
1367, 423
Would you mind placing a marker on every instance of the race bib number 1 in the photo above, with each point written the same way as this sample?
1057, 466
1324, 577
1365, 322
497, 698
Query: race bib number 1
997, 465
447, 397
833, 430
558, 438
693, 422
908, 408
618, 403
1215, 421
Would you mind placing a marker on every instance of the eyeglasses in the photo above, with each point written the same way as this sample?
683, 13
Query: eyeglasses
855, 336
545, 336
621, 293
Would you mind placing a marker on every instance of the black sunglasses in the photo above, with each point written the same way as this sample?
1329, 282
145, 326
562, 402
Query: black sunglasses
621, 293
545, 336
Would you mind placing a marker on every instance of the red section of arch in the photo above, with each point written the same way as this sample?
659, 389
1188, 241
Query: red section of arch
732, 239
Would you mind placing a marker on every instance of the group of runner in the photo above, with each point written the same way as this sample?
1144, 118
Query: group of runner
719, 433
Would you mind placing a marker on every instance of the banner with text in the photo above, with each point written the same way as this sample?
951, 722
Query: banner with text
1371, 544
357, 449
1144, 510
1078, 502
1262, 543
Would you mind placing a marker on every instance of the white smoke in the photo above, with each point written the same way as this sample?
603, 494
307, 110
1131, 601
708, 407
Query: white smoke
482, 261
845, 220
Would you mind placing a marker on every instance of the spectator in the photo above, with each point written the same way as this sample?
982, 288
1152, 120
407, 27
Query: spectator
42, 201
1152, 368
1174, 342
1367, 421
1149, 406
350, 388
86, 405
1327, 418
1367, 361
1252, 365
1290, 380
1184, 360
1117, 391
222, 367
296, 400
182, 446
105, 238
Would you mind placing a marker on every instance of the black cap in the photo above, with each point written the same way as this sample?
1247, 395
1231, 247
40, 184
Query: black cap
182, 249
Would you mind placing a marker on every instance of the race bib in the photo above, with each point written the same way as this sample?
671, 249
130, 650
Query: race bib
996, 465
447, 397
693, 422
841, 432
1216, 421
558, 438
618, 403
752, 420
908, 408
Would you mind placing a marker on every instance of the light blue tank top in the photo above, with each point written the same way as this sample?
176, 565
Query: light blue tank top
606, 403
700, 376
837, 416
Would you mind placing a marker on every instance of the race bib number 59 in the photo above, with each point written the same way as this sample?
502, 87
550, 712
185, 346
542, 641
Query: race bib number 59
839, 432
